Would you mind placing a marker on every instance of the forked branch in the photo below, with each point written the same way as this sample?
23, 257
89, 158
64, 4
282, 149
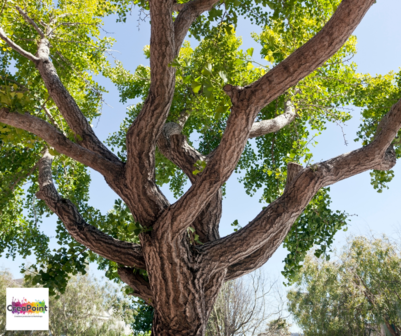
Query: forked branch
247, 102
60, 95
265, 233
118, 251
174, 146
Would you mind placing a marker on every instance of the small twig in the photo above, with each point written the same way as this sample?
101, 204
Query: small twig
141, 11
34, 212
2, 9
15, 183
50, 116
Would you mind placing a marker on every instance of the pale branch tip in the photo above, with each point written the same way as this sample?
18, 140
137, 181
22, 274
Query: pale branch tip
17, 48
264, 127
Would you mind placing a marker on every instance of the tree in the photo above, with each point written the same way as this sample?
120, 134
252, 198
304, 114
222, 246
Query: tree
171, 255
86, 308
354, 295
278, 327
243, 306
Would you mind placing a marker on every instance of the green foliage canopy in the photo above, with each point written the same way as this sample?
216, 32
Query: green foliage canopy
356, 293
80, 53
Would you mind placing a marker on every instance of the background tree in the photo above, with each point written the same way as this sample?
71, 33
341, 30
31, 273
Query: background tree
354, 295
243, 306
277, 327
86, 308
171, 255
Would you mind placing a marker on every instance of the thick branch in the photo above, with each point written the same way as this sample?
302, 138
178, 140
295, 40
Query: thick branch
250, 263
247, 102
271, 226
118, 251
188, 14
67, 105
310, 56
293, 169
60, 143
206, 225
17, 48
174, 146
148, 201
177, 7
140, 286
60, 95
274, 125
260, 257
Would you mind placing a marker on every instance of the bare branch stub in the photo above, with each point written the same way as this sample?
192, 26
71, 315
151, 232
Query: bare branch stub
274, 125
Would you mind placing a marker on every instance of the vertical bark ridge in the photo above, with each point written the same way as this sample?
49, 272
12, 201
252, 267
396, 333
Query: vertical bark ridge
147, 199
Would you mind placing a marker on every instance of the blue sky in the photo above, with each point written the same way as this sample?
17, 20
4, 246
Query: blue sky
379, 47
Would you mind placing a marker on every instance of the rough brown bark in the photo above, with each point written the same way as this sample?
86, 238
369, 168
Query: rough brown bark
59, 142
139, 285
119, 251
184, 278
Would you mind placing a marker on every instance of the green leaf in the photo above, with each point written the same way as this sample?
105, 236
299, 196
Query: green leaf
250, 52
196, 87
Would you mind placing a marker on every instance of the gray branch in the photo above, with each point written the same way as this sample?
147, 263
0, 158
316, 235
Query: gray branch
17, 48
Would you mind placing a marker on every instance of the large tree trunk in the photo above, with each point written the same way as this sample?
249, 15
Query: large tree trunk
184, 288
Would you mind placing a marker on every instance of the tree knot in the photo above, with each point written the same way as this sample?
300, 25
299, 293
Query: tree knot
389, 160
